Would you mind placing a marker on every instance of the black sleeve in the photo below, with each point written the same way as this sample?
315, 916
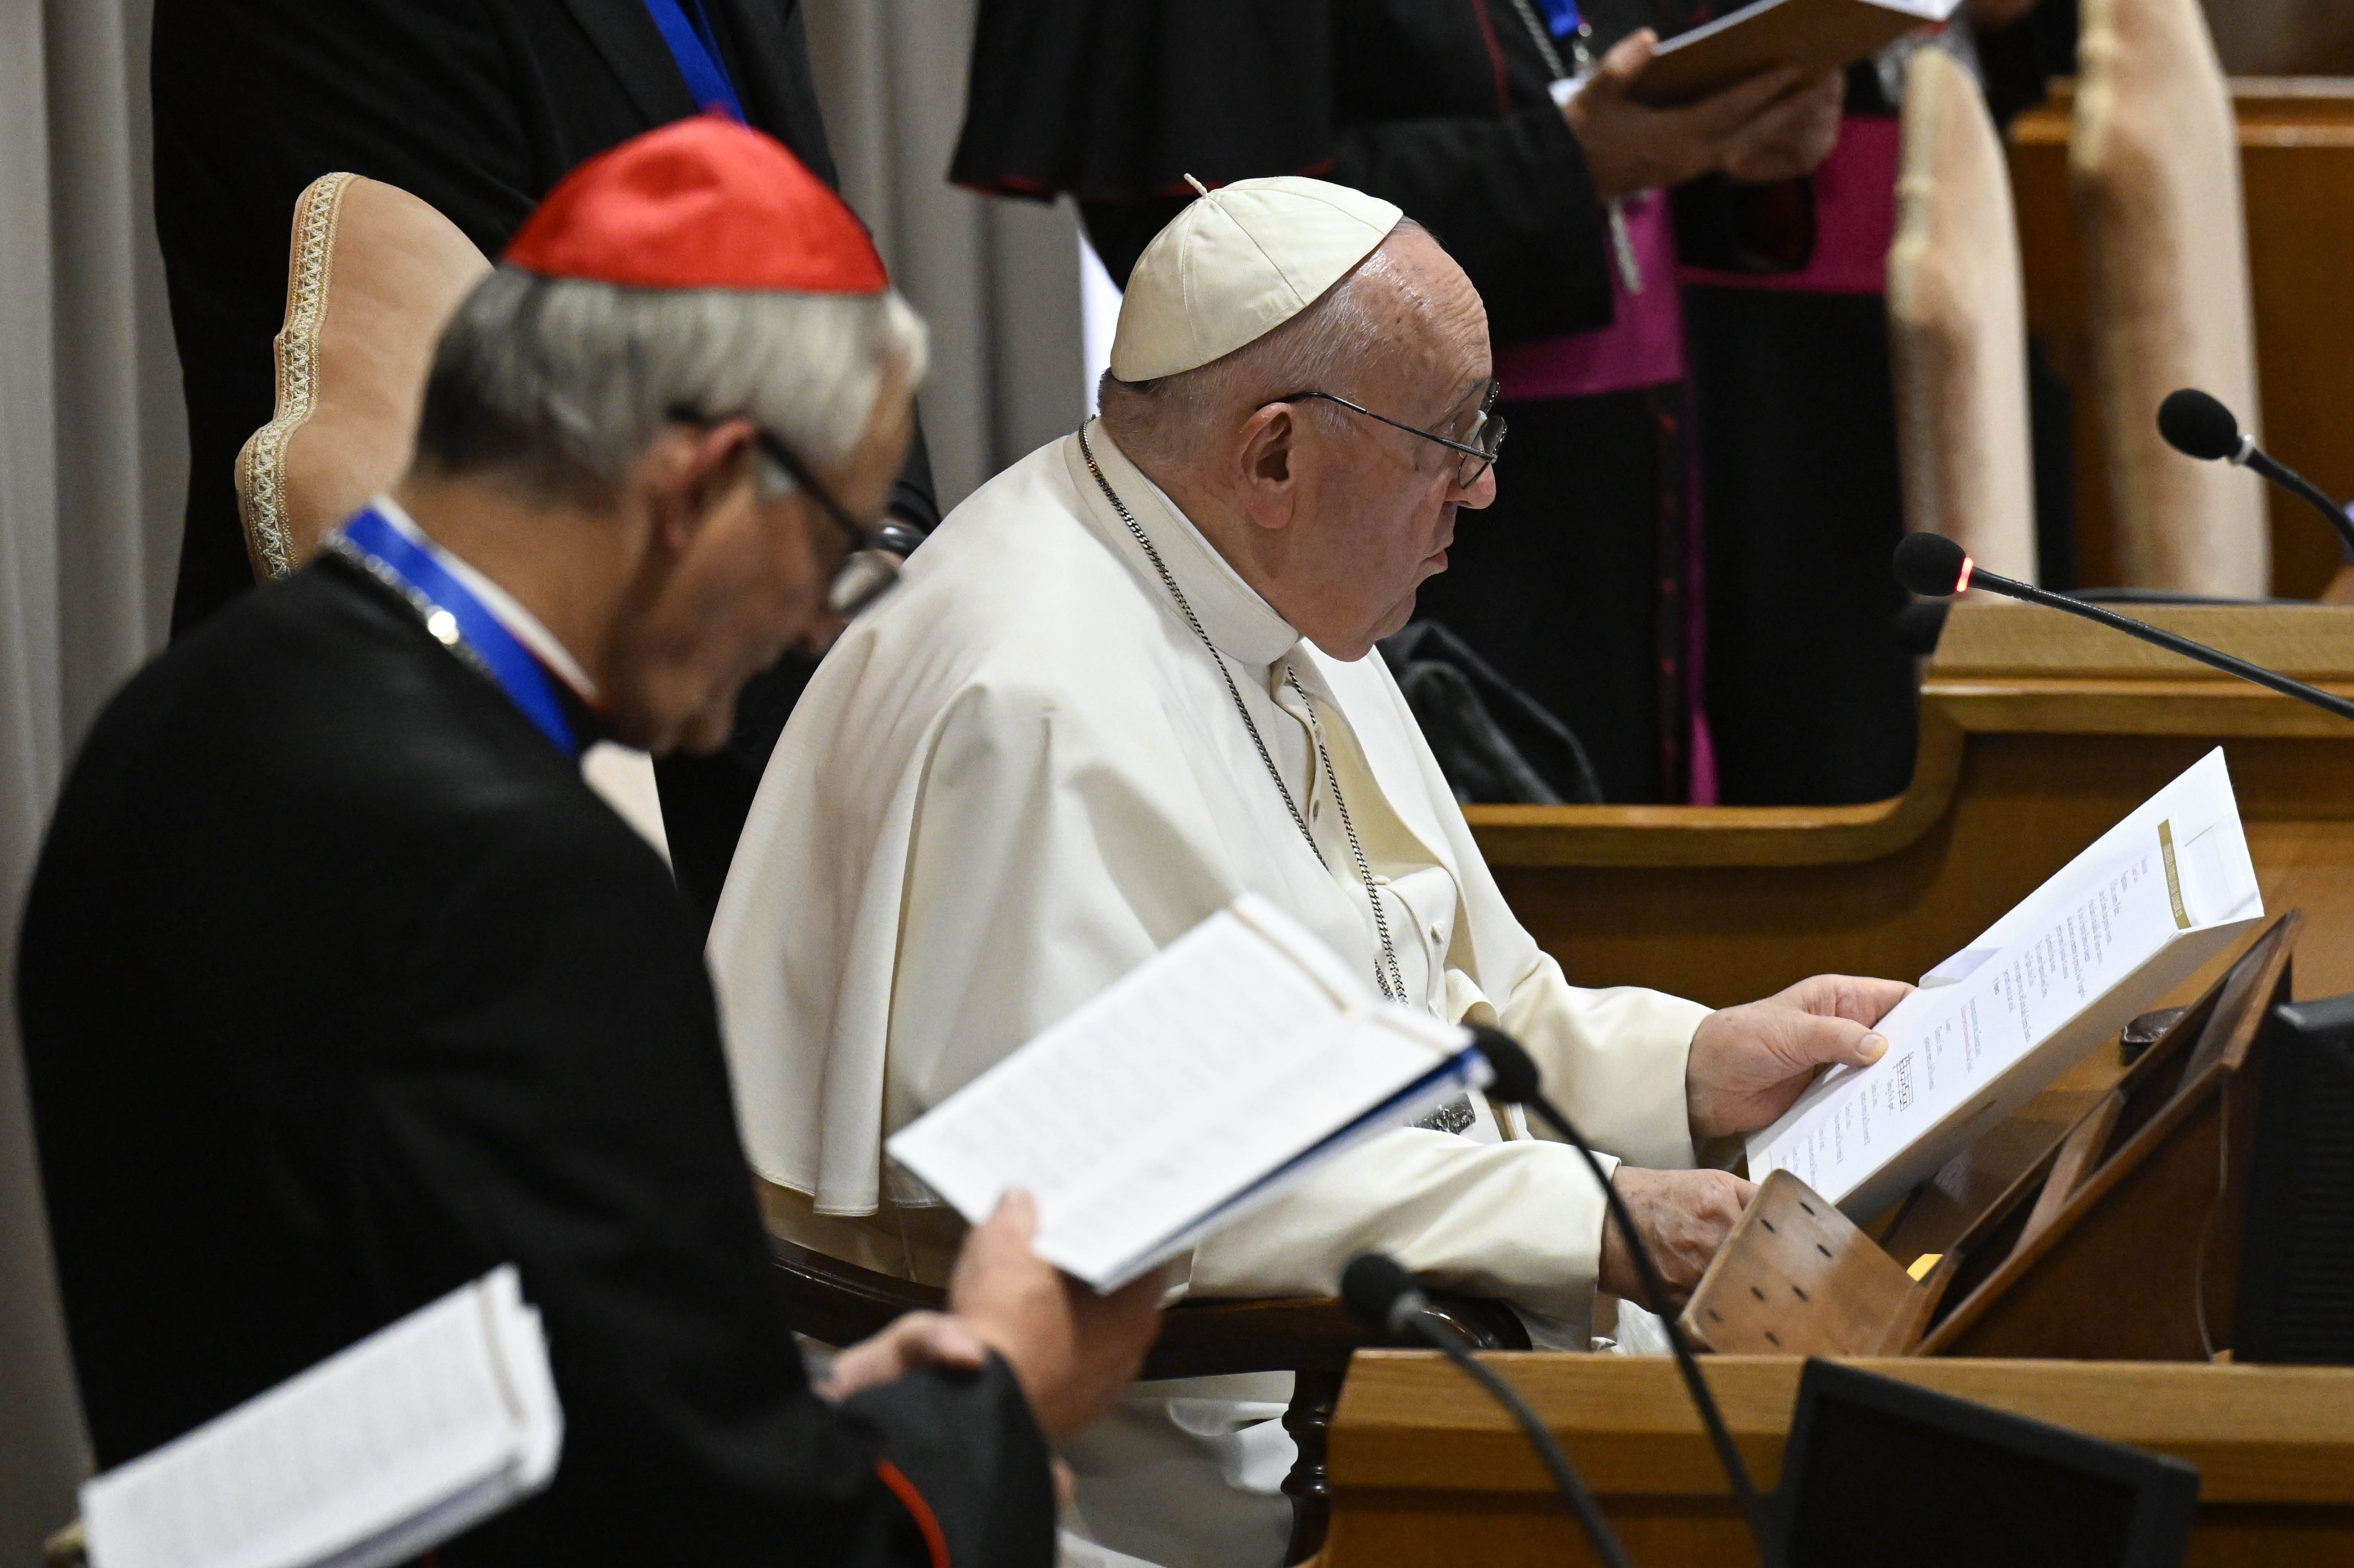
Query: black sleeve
554, 1094
1509, 198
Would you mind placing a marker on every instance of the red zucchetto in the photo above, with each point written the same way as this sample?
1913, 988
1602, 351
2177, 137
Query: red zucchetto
700, 204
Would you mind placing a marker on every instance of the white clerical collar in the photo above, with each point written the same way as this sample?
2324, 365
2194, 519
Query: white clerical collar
1239, 623
525, 626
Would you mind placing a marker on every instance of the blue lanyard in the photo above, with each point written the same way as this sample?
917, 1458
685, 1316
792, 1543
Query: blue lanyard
697, 53
458, 621
1560, 16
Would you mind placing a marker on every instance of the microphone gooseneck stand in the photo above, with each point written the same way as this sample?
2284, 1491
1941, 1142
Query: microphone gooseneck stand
1935, 567
1380, 1292
1517, 1082
2197, 425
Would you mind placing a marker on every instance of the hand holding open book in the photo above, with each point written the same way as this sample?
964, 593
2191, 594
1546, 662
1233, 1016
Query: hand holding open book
1203, 1083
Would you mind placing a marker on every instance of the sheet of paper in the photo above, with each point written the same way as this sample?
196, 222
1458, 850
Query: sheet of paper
2163, 890
2195, 802
374, 1456
1177, 1092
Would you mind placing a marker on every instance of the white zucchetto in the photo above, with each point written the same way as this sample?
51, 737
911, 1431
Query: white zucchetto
1236, 264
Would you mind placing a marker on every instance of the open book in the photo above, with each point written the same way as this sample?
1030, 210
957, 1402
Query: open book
377, 1454
1205, 1082
2100, 943
1817, 36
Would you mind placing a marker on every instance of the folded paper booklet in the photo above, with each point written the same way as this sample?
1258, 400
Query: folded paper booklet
376, 1455
1207, 1081
1815, 36
2099, 943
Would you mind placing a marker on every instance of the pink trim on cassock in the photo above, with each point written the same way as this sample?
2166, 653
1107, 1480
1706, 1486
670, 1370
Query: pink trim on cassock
1855, 219
1642, 347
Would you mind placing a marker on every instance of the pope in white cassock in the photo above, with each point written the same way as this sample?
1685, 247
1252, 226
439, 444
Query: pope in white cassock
1130, 678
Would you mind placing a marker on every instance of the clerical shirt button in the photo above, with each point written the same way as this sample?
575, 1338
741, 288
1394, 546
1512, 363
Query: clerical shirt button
444, 628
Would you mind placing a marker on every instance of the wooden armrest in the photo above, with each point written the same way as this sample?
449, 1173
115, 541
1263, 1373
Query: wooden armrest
840, 1303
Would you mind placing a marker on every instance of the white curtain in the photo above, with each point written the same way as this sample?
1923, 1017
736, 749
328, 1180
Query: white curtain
998, 280
93, 464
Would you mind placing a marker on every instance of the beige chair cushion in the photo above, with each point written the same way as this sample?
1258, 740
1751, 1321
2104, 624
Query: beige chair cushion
374, 275
1958, 325
2154, 161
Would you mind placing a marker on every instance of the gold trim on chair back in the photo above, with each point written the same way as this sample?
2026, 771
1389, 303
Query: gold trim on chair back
66, 1549
372, 276
2153, 165
1958, 325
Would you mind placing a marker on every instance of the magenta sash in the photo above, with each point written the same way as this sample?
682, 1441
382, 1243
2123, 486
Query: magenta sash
1642, 347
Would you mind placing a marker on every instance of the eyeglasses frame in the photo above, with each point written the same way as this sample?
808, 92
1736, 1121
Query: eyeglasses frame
871, 569
1484, 455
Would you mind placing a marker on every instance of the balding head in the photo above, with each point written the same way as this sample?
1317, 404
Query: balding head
1335, 517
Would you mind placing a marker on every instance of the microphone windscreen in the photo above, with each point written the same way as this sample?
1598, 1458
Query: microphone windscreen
1371, 1287
2197, 425
1517, 1081
1930, 565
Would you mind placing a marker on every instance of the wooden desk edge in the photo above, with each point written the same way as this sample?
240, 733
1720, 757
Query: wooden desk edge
2258, 1433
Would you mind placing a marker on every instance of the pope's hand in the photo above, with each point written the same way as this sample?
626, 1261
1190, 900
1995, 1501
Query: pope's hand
1683, 1217
1748, 1063
1074, 1351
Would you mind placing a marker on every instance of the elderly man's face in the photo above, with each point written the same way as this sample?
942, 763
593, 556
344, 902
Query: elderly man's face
744, 579
1375, 508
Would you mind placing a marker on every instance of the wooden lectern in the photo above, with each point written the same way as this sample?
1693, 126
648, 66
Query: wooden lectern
2118, 1239
2111, 1249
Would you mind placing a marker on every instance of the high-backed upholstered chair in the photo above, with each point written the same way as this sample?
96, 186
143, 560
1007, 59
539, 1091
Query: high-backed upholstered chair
1958, 325
373, 275
2154, 163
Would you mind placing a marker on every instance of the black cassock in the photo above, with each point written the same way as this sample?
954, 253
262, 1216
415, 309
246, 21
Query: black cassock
478, 107
339, 988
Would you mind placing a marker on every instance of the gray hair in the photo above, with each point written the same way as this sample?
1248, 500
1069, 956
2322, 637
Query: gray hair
1179, 417
561, 380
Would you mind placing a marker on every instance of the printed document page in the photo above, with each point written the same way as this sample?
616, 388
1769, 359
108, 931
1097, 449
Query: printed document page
374, 1457
2101, 942
1193, 1089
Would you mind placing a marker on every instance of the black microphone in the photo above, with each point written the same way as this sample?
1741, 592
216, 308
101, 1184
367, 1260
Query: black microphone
1934, 567
1516, 1081
2197, 425
1382, 1295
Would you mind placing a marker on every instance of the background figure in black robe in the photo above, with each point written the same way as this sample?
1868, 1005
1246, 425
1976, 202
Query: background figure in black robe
477, 108
339, 987
1810, 692
1577, 584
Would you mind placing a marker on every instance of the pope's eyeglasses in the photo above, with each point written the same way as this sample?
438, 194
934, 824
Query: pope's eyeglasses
1486, 432
871, 567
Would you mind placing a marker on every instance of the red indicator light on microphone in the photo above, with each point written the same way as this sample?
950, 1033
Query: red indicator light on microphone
1968, 565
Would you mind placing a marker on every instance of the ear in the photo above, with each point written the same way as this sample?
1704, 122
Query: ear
694, 473
1268, 473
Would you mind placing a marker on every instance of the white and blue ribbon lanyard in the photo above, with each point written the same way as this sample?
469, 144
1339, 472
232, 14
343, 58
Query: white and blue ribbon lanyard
1564, 23
456, 618
688, 31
